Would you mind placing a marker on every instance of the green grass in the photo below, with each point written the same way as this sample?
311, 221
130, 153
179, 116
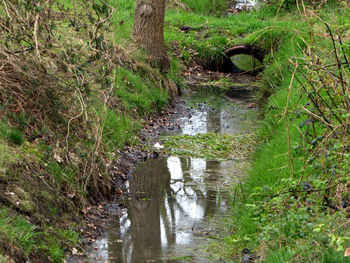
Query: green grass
62, 174
119, 130
16, 137
138, 93
208, 7
10, 134
17, 231
210, 36
280, 255
6, 154
123, 20
332, 256
262, 220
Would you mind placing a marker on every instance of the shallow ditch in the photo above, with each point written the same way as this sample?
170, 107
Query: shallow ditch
173, 204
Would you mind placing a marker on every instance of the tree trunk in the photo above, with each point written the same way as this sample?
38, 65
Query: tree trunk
149, 31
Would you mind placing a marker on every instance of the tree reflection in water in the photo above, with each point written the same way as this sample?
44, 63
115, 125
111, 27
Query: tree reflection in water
170, 199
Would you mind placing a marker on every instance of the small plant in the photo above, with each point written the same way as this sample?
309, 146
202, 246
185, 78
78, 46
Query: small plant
16, 137
17, 231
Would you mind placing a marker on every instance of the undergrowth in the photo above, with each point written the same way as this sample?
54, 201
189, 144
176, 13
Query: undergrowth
72, 92
295, 202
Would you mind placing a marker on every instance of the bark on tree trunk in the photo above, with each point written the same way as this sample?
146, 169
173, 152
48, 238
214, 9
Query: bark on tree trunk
149, 31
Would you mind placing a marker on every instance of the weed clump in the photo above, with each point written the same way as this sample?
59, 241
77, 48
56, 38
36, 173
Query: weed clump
16, 137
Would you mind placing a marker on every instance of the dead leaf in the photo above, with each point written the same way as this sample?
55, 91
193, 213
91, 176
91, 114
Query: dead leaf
58, 158
70, 195
347, 252
74, 158
86, 210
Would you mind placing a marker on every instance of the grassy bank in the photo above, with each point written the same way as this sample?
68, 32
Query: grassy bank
294, 205
72, 92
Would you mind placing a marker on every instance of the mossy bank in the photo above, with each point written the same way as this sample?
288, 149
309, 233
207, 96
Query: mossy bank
71, 95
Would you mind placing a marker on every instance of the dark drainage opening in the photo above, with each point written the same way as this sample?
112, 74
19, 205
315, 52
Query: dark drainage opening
240, 59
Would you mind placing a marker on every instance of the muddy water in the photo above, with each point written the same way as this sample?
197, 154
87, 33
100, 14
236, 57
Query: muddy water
173, 203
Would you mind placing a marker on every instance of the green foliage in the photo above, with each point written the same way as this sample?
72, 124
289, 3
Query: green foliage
123, 20
6, 155
3, 259
290, 195
280, 255
12, 135
6, 151
175, 73
20, 234
16, 137
119, 130
213, 7
138, 93
332, 256
56, 252
62, 173
17, 231
209, 36
70, 235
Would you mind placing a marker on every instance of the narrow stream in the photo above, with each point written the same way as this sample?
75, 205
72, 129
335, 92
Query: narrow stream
174, 202
243, 5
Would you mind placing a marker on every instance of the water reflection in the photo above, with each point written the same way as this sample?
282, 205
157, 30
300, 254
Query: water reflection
170, 202
245, 4
228, 117
172, 199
